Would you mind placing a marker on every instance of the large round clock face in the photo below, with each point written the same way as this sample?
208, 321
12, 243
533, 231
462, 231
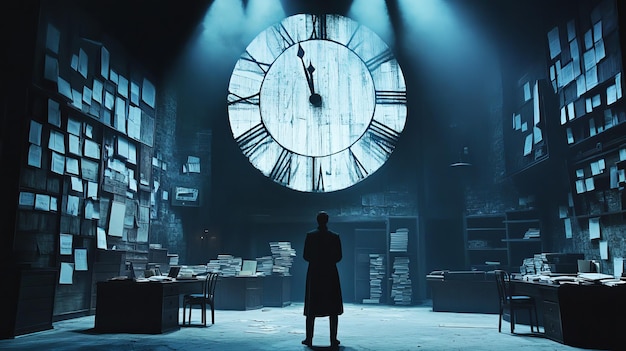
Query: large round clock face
317, 102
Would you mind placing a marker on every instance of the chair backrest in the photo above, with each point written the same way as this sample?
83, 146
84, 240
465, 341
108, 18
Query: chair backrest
502, 282
208, 290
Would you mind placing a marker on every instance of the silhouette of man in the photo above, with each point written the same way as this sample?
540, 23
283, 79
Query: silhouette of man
322, 250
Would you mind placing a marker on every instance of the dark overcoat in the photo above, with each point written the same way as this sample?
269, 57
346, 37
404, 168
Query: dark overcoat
322, 249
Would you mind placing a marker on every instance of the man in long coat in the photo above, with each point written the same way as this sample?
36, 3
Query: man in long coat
322, 250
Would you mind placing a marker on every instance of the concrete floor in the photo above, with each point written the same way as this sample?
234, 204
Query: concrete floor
361, 327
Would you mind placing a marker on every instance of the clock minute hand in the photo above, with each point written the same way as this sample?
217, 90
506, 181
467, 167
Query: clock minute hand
307, 72
315, 99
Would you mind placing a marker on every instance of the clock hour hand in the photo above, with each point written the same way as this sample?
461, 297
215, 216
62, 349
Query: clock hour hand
315, 99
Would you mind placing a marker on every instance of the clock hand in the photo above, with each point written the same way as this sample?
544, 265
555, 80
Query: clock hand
315, 99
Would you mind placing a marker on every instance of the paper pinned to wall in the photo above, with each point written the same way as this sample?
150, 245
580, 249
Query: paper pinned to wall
568, 228
604, 250
67, 273
618, 267
102, 238
116, 219
594, 228
80, 259
65, 244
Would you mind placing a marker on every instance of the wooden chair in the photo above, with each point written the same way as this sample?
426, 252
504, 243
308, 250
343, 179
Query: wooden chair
513, 303
206, 298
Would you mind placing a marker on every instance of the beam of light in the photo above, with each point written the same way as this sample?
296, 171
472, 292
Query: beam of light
374, 15
204, 67
448, 45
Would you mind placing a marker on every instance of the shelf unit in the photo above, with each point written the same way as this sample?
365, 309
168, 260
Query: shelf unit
501, 238
519, 224
368, 242
403, 290
484, 241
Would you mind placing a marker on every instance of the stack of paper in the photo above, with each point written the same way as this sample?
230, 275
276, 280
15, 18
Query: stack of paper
401, 290
377, 274
264, 265
283, 256
399, 240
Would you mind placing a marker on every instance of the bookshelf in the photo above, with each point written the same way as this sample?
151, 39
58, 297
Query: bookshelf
523, 236
485, 237
404, 280
370, 261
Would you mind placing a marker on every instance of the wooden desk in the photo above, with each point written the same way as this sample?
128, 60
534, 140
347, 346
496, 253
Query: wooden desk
276, 291
140, 307
586, 316
239, 293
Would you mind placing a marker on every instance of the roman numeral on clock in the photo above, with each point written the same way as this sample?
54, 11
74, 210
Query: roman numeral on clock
263, 67
383, 137
236, 99
253, 139
317, 178
392, 97
283, 36
356, 167
375, 62
281, 172
319, 27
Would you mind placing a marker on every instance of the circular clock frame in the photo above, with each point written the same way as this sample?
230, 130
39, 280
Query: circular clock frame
317, 102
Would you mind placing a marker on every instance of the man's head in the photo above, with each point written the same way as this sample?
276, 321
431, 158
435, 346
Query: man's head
322, 218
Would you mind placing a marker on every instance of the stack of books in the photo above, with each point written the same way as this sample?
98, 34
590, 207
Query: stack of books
225, 265
401, 290
264, 265
377, 274
399, 240
283, 256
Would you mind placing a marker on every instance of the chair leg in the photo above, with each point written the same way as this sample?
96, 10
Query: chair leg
204, 314
212, 314
530, 319
500, 321
512, 311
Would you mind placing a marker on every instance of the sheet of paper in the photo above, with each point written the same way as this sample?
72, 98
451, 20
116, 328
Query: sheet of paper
604, 249
92, 190
92, 149
26, 199
594, 228
568, 228
618, 267
56, 142
77, 184
102, 238
96, 92
58, 163
53, 38
116, 219
554, 43
80, 259
148, 93
528, 144
42, 202
104, 62
54, 113
65, 244
71, 166
34, 155
67, 273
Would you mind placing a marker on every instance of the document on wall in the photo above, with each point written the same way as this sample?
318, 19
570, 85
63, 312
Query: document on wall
102, 238
618, 267
604, 249
116, 219
65, 244
34, 135
42, 202
554, 42
528, 144
34, 155
67, 273
594, 228
80, 259
568, 228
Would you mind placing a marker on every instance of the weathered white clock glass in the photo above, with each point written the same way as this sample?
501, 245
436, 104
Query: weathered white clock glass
317, 102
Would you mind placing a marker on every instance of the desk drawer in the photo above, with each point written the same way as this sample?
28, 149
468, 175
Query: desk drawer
552, 321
